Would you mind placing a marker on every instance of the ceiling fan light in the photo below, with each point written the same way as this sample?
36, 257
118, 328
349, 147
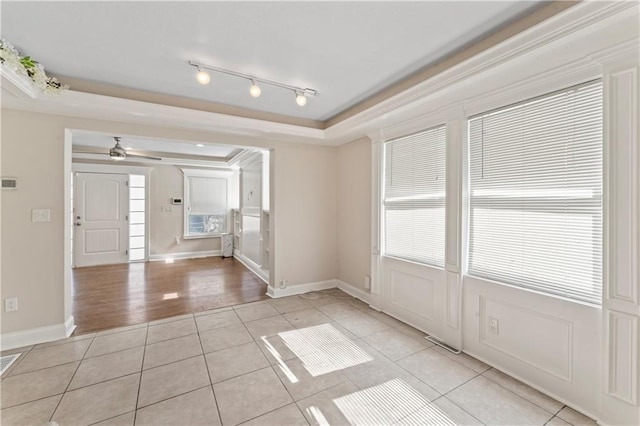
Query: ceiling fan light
203, 76
254, 90
301, 99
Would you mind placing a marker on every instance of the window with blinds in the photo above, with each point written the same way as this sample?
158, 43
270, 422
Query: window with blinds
414, 197
206, 207
536, 193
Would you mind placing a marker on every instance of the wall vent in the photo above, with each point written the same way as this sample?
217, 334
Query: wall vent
9, 183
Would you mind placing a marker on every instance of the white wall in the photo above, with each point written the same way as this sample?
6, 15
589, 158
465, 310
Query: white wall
354, 212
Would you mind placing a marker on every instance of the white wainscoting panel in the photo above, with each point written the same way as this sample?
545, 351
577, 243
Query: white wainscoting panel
623, 358
412, 293
453, 299
548, 343
415, 294
623, 145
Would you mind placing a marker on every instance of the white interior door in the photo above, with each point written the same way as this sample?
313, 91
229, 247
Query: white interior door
101, 219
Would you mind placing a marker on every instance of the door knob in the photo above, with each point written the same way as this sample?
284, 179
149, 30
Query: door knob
78, 223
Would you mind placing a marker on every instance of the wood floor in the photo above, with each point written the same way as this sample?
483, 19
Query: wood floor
130, 293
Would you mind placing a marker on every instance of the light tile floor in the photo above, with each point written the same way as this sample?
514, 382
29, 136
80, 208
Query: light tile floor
289, 361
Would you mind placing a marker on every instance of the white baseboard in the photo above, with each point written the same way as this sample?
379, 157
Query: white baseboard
300, 288
354, 291
184, 255
582, 410
70, 325
254, 267
33, 336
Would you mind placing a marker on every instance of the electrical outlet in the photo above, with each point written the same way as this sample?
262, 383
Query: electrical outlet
367, 282
494, 325
11, 304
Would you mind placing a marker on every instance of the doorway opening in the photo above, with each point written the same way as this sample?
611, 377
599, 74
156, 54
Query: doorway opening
147, 230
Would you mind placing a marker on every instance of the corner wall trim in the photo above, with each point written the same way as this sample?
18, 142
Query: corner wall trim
252, 266
317, 286
354, 291
33, 336
184, 255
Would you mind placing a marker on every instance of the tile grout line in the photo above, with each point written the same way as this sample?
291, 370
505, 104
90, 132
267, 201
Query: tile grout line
434, 347
206, 364
144, 351
556, 415
465, 411
71, 380
481, 374
167, 399
15, 366
35, 400
110, 418
526, 399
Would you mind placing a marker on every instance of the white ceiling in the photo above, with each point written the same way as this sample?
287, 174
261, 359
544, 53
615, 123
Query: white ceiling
346, 50
164, 148
97, 140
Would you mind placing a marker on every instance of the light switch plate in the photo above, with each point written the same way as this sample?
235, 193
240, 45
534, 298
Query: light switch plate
41, 215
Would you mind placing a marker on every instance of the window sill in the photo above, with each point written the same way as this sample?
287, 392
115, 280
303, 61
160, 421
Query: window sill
198, 237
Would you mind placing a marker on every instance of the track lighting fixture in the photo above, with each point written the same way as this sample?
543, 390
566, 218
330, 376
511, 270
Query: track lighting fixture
301, 93
301, 99
202, 76
254, 90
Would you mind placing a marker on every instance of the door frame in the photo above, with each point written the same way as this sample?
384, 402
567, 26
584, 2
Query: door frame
115, 169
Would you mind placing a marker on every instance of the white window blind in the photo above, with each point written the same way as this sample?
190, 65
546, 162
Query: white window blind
206, 205
414, 197
536, 193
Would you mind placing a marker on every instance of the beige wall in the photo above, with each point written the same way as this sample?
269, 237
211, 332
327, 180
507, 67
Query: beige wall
354, 212
165, 183
33, 253
305, 209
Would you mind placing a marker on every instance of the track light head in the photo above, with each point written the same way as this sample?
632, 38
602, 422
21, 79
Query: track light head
202, 76
301, 99
254, 90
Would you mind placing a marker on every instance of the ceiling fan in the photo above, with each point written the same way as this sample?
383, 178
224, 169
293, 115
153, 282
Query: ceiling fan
119, 153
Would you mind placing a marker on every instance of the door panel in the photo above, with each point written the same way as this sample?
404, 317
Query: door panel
101, 225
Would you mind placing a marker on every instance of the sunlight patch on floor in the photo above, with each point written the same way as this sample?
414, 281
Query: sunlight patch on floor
324, 349
389, 403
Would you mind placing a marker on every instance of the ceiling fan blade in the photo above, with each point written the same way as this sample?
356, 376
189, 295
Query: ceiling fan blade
90, 152
143, 156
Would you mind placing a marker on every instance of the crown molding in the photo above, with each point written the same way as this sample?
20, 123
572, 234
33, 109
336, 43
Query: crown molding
18, 85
